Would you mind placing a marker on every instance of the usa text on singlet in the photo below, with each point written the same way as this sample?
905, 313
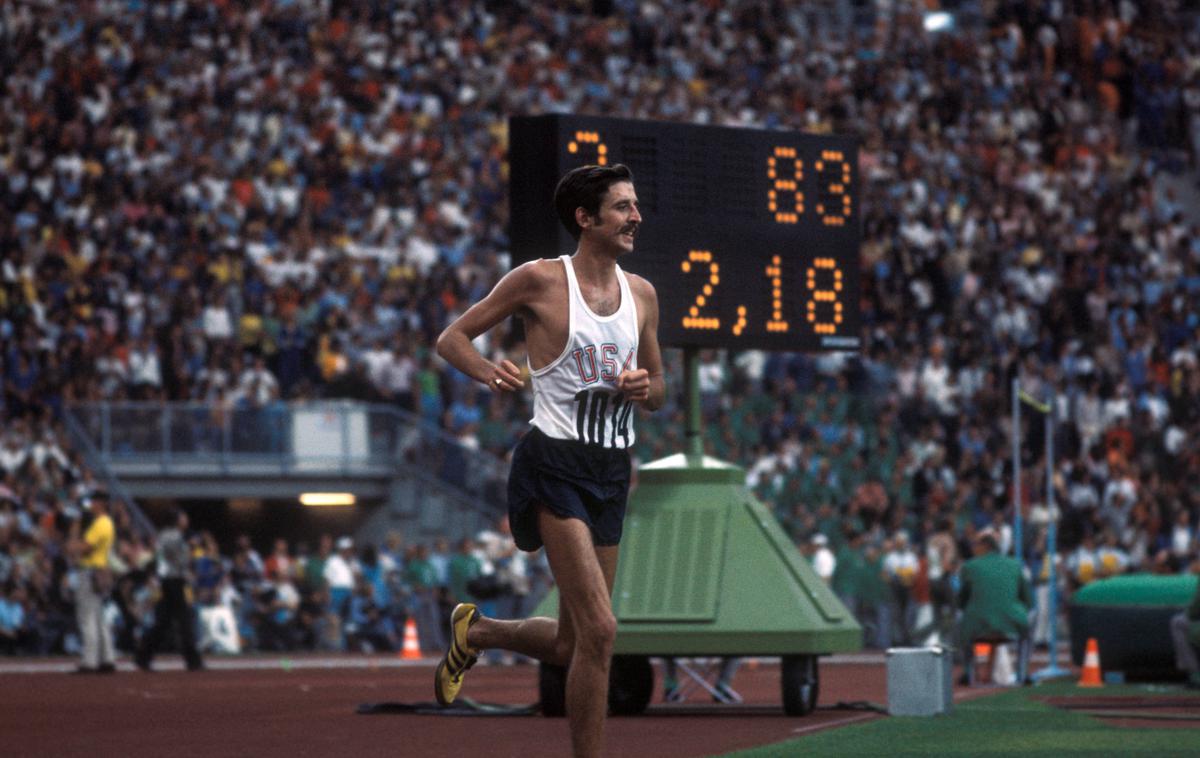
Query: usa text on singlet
575, 397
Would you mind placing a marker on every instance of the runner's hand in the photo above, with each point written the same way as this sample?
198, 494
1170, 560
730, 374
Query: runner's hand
635, 384
506, 377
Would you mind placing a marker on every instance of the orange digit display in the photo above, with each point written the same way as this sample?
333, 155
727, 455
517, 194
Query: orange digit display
589, 138
785, 181
834, 205
775, 272
706, 263
740, 326
820, 295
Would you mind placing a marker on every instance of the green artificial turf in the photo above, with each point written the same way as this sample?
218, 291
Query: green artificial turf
1011, 722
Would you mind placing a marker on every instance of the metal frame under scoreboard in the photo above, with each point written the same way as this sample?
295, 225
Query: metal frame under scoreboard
751, 237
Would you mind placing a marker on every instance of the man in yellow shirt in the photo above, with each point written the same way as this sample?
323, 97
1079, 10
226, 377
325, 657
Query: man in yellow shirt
93, 587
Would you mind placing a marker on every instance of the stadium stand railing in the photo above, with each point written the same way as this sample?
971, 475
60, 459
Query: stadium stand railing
333, 438
116, 489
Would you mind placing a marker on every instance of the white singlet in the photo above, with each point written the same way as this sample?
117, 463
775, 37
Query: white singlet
575, 397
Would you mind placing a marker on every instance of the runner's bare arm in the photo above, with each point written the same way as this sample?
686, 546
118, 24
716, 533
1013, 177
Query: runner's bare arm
515, 290
646, 385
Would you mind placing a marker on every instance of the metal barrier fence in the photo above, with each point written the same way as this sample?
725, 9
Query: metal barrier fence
339, 438
116, 489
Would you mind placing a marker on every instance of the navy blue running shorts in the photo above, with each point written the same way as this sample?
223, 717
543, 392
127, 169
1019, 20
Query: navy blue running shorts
573, 480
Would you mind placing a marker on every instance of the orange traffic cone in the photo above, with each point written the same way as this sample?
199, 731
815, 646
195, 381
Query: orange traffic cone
1091, 665
412, 647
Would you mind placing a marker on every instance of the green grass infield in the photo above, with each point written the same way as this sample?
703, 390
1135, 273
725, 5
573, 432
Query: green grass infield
1011, 722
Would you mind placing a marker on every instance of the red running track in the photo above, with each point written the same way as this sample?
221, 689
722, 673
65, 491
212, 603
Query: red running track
302, 711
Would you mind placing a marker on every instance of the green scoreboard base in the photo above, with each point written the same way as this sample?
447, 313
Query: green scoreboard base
706, 570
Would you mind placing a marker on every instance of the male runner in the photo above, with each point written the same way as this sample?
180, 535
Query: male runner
591, 336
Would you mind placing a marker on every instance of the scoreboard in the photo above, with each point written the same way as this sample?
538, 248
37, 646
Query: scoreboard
749, 236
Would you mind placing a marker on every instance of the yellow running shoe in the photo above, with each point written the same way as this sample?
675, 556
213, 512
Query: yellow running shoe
447, 680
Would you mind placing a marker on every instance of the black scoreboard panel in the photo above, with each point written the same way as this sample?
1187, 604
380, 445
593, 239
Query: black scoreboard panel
750, 237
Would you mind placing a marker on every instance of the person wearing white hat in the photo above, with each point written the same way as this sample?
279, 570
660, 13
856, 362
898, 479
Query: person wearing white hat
822, 558
339, 575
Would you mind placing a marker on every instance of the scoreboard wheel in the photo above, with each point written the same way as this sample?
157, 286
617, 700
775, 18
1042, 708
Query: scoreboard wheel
552, 690
801, 684
630, 684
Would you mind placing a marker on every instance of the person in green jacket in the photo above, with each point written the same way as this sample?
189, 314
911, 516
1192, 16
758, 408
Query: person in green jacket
995, 598
847, 575
1185, 635
464, 567
421, 576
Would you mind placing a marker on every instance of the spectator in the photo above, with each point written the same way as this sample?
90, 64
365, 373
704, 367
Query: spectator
94, 581
280, 626
314, 567
280, 563
821, 557
14, 630
1182, 536
1113, 560
398, 377
511, 571
849, 574
249, 560
257, 383
1083, 564
1185, 635
439, 558
212, 585
339, 575
876, 595
900, 565
995, 600
372, 570
174, 608
464, 568
391, 554
368, 628
422, 578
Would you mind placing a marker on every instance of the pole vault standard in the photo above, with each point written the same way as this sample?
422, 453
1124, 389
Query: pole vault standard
1018, 540
1046, 408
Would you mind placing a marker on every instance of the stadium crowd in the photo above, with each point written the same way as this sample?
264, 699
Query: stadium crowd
251, 201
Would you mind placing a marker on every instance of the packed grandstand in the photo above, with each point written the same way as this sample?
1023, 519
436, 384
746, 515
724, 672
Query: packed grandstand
254, 201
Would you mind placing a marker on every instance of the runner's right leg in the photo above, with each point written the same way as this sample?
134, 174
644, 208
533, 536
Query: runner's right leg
584, 592
582, 638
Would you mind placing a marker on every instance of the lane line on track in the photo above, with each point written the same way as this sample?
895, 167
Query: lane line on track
832, 724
